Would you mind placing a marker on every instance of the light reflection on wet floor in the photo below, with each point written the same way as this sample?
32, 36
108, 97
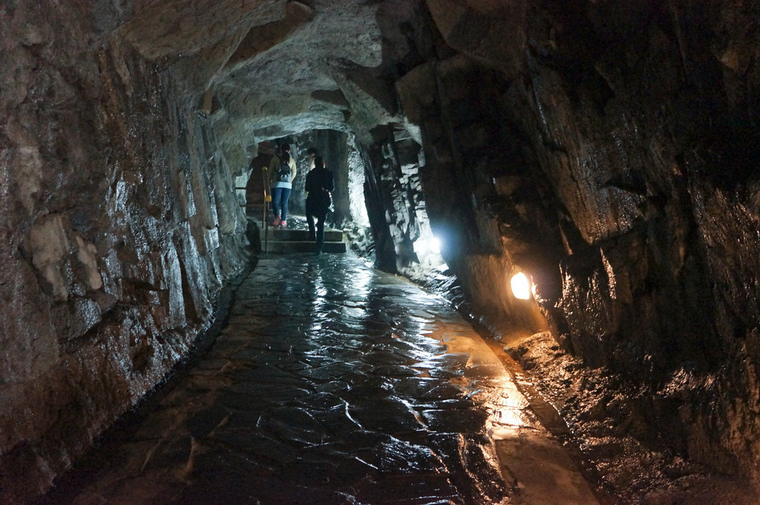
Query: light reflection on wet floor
331, 384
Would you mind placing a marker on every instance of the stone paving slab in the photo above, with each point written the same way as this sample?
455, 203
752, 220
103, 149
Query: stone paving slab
332, 384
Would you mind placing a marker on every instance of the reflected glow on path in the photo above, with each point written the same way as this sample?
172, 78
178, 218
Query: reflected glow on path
332, 384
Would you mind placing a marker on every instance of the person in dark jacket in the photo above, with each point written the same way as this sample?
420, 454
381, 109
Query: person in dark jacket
319, 185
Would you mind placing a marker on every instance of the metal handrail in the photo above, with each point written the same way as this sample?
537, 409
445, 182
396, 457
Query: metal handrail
265, 211
267, 199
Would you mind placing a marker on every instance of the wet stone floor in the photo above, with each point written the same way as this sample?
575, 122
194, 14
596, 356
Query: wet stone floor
332, 383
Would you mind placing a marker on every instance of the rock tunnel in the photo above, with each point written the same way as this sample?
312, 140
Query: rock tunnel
608, 151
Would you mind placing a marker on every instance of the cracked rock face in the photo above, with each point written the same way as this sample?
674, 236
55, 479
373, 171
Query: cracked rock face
609, 150
113, 247
305, 71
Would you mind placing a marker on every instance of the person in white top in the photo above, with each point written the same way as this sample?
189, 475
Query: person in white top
282, 171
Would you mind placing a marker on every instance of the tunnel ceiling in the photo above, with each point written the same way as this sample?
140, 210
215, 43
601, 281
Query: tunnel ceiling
276, 68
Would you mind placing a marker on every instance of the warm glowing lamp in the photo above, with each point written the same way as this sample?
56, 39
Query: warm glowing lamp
521, 286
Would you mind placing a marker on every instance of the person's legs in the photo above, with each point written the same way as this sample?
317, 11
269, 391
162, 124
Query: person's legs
276, 200
320, 230
310, 220
285, 196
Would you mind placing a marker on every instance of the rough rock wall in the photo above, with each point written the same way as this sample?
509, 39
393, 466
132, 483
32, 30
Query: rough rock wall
393, 196
484, 203
610, 150
118, 228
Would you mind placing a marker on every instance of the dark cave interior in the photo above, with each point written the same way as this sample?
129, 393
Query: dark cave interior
608, 150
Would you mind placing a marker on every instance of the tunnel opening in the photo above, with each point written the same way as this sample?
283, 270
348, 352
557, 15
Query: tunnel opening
412, 247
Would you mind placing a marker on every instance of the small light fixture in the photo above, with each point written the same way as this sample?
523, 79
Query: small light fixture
521, 286
425, 247
435, 245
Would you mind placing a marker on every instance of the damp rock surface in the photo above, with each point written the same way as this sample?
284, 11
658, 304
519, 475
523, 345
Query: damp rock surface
611, 421
331, 383
608, 149
113, 247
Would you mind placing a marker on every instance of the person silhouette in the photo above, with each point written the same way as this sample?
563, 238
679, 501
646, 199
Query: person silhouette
319, 186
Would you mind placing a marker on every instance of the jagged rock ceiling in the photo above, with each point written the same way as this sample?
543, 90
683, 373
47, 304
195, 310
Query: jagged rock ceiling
303, 82
276, 68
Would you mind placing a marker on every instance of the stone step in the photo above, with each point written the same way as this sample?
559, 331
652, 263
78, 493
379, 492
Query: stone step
294, 246
301, 235
292, 240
